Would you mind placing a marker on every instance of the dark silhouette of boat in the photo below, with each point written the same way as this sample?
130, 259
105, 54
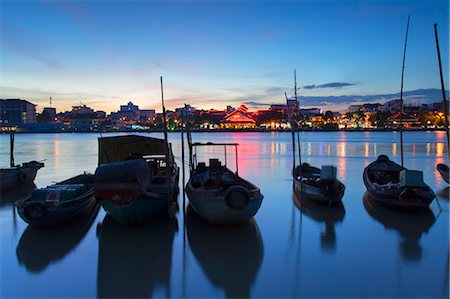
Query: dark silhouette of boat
410, 225
59, 203
8, 197
230, 255
134, 260
40, 246
443, 170
383, 180
16, 176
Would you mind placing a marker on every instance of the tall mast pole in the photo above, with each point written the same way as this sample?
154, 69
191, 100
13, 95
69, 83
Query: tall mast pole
296, 120
167, 151
401, 92
291, 114
189, 140
444, 98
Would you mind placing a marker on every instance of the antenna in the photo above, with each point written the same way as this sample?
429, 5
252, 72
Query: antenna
401, 92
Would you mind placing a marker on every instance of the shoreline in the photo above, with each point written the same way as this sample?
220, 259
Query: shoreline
223, 131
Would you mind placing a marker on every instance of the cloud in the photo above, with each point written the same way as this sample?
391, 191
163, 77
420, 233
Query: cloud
253, 104
329, 85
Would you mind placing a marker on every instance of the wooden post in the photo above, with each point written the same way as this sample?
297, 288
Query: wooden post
444, 98
297, 104
291, 114
182, 161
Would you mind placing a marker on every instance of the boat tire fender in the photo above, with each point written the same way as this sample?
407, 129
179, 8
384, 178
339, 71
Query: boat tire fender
237, 197
35, 211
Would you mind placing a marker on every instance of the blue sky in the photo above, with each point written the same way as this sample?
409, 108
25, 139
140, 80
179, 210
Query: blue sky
214, 53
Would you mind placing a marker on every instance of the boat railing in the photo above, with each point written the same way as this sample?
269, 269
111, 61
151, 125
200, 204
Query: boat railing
225, 145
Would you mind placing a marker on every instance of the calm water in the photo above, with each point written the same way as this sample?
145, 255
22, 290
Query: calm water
358, 251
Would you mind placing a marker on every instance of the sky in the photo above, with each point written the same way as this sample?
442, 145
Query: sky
216, 53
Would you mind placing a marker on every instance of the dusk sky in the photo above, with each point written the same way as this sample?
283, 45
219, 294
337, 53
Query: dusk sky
215, 53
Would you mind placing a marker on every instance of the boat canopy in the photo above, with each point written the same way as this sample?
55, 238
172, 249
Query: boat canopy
121, 148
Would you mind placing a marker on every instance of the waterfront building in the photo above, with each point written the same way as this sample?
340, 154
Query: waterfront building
14, 112
147, 116
129, 107
392, 105
354, 108
310, 111
239, 119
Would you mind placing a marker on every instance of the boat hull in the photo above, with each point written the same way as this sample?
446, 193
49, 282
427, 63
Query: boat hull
140, 209
319, 194
211, 206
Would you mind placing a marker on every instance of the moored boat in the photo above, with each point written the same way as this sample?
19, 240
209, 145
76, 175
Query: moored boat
58, 203
135, 179
443, 170
395, 186
219, 195
19, 175
318, 185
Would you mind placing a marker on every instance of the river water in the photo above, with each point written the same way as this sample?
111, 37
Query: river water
285, 251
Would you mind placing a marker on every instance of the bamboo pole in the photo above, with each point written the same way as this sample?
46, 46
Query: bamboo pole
11, 148
444, 98
401, 92
296, 120
292, 133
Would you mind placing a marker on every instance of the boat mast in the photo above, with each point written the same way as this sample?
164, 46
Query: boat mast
11, 148
189, 140
401, 93
168, 158
292, 133
296, 120
444, 98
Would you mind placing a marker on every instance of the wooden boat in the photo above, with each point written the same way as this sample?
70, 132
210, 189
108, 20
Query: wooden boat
58, 203
219, 195
19, 175
443, 170
229, 255
395, 186
41, 246
410, 226
318, 185
135, 180
136, 261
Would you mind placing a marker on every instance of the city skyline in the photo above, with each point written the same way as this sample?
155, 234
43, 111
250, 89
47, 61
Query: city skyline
214, 54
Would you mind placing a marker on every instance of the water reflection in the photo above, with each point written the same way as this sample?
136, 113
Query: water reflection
40, 246
10, 196
444, 193
230, 256
410, 225
329, 215
134, 260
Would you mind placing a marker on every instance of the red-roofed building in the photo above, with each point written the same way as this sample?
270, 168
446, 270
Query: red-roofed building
239, 119
404, 118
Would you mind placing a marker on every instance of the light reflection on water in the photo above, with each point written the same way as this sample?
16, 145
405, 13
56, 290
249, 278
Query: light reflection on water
288, 250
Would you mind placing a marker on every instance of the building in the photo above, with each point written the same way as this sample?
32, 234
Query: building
310, 111
148, 116
372, 108
239, 119
354, 108
15, 112
392, 105
129, 107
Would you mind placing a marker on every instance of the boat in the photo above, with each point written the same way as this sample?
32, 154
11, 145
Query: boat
229, 255
219, 195
395, 186
58, 203
41, 246
392, 184
410, 226
135, 179
16, 176
443, 170
317, 184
